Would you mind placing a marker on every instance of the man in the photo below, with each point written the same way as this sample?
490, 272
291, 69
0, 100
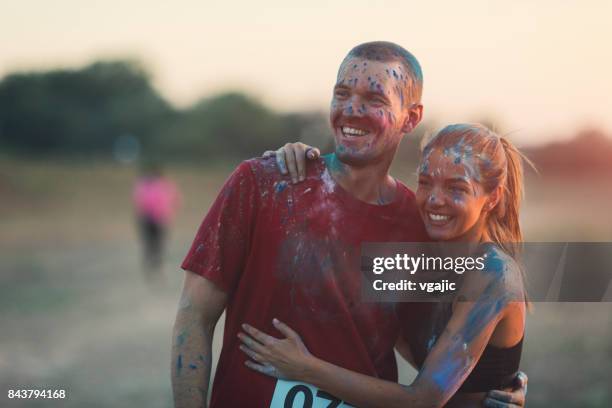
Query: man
273, 249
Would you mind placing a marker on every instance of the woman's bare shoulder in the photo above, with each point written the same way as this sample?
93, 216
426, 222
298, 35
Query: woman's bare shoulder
500, 278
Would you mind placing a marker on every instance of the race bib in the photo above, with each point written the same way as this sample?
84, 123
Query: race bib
292, 394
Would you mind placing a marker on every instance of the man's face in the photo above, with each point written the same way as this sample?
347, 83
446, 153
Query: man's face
369, 110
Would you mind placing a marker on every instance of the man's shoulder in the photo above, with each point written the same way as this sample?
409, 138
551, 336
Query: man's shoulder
405, 191
261, 167
407, 198
256, 169
408, 214
264, 174
266, 169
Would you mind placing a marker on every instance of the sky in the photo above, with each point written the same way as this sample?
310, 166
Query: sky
539, 69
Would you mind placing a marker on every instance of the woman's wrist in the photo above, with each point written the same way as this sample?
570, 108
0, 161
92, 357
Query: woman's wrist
310, 373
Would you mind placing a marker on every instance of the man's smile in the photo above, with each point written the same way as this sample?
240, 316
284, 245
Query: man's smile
353, 131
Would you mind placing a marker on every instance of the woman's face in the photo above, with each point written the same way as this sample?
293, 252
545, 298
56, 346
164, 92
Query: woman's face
450, 197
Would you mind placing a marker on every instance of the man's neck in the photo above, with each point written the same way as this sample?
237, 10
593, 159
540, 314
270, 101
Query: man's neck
372, 184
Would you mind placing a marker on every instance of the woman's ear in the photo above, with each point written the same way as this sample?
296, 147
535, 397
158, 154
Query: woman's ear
494, 198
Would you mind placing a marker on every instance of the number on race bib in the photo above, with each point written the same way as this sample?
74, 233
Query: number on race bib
333, 401
291, 394
294, 391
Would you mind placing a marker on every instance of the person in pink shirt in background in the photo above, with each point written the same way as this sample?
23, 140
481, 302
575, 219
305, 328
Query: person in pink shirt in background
156, 200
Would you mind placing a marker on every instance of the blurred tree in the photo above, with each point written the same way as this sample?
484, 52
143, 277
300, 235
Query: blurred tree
311, 128
232, 125
79, 111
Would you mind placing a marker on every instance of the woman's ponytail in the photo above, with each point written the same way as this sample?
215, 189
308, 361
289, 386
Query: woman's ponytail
504, 226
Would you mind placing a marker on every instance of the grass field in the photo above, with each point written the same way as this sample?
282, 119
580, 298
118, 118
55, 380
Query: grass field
76, 313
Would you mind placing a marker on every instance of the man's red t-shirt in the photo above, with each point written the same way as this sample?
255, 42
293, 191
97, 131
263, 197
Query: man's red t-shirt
293, 252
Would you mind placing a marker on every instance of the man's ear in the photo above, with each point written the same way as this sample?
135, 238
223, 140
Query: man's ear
415, 114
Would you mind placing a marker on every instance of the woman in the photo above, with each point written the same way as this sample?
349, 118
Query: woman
156, 199
469, 190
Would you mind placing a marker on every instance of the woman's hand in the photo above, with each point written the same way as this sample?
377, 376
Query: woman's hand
287, 358
291, 158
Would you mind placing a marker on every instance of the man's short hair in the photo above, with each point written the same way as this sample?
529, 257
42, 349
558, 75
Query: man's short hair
385, 51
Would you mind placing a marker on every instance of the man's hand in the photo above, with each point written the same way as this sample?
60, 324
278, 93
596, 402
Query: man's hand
291, 159
509, 399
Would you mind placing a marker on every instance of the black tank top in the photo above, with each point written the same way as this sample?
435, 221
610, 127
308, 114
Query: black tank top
422, 324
